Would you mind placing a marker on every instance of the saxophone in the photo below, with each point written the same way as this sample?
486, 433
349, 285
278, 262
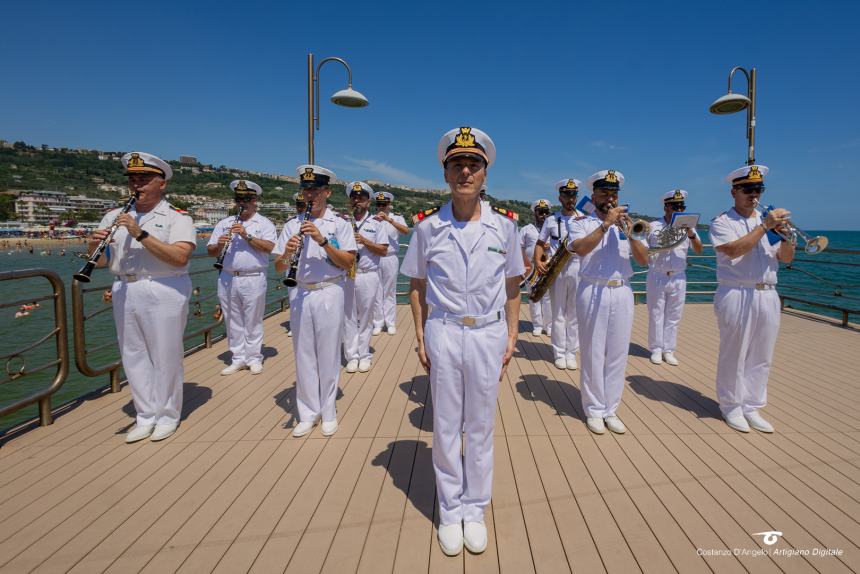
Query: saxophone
354, 267
540, 283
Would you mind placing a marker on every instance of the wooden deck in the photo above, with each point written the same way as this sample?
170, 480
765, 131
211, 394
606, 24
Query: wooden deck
233, 492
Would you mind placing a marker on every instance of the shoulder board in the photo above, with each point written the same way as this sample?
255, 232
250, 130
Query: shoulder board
422, 215
506, 212
291, 218
178, 210
580, 217
720, 215
343, 216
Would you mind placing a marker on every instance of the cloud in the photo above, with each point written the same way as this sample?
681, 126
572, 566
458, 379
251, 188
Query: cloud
603, 144
389, 173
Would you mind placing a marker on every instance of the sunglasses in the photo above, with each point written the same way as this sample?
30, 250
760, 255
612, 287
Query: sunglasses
244, 198
752, 190
677, 206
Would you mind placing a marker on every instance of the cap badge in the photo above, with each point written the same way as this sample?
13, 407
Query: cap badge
611, 177
241, 186
380, 196
754, 174
570, 185
309, 174
542, 203
357, 187
678, 195
465, 138
135, 160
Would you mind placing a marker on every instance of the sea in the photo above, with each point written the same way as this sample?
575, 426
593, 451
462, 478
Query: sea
830, 277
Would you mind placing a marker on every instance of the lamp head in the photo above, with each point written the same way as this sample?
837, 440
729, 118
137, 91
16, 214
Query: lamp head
729, 104
349, 98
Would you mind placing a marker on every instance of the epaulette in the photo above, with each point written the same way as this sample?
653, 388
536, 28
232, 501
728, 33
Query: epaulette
177, 209
422, 215
291, 218
720, 215
506, 212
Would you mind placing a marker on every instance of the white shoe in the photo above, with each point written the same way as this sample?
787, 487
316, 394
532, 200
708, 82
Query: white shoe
738, 422
614, 424
352, 366
161, 432
329, 427
392, 330
475, 537
451, 538
256, 368
571, 363
758, 423
548, 332
560, 364
656, 357
364, 365
303, 428
595, 425
537, 331
234, 368
376, 330
670, 359
289, 333
138, 433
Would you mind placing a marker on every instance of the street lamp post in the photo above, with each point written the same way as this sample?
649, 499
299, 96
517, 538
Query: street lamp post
347, 97
731, 103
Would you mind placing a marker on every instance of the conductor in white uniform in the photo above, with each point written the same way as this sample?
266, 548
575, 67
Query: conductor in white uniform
149, 258
466, 266
242, 281
316, 313
746, 303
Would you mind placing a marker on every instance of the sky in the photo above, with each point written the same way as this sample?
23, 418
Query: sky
564, 89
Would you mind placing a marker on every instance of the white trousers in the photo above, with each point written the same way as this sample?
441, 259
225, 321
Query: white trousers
358, 305
666, 295
749, 324
562, 296
465, 365
605, 323
541, 314
150, 316
243, 301
385, 311
316, 320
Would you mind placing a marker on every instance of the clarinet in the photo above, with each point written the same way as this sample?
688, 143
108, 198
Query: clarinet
219, 263
290, 280
350, 274
84, 274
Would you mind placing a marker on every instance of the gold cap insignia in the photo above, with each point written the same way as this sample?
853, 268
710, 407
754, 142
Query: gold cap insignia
357, 187
570, 185
309, 174
611, 177
542, 203
678, 195
242, 186
754, 174
465, 138
381, 197
135, 160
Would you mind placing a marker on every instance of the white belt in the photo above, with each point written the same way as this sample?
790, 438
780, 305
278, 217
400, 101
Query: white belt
467, 320
244, 273
605, 282
756, 286
321, 284
132, 277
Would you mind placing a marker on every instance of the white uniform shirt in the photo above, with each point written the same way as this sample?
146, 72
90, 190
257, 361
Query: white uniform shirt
528, 240
370, 228
759, 265
610, 259
392, 236
291, 227
674, 260
240, 255
314, 264
464, 279
557, 227
128, 256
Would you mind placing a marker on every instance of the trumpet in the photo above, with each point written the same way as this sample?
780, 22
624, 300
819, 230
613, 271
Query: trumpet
290, 280
84, 274
636, 230
219, 263
790, 233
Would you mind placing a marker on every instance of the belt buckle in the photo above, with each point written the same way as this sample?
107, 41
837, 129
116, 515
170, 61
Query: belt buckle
131, 277
469, 321
614, 283
312, 286
761, 286
235, 273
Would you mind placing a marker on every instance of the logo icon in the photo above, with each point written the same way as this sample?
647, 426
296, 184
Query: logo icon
242, 186
611, 177
135, 160
770, 537
465, 138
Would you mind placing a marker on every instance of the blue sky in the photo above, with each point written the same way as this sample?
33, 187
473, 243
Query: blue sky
564, 89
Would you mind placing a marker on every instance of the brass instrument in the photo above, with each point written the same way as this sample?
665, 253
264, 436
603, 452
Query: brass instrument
636, 230
353, 269
290, 280
542, 283
84, 274
811, 245
219, 263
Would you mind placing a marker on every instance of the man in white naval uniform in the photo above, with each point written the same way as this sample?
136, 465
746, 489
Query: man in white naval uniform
242, 281
666, 286
149, 257
385, 313
466, 266
316, 312
746, 303
291, 227
360, 292
562, 293
540, 312
604, 300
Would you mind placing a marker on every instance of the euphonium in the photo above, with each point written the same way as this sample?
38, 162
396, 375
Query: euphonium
290, 280
84, 274
790, 233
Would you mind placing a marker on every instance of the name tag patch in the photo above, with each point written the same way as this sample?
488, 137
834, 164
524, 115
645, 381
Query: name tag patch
497, 250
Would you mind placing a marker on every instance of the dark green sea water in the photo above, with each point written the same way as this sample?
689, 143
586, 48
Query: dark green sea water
829, 277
